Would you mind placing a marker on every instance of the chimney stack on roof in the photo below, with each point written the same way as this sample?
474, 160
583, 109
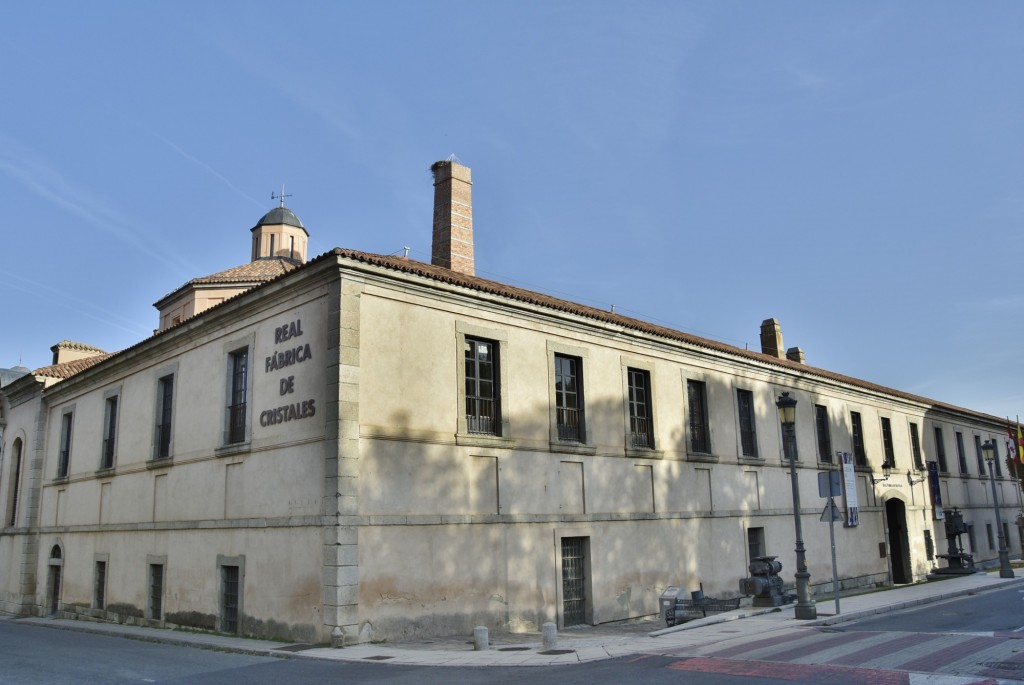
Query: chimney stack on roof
795, 354
452, 246
771, 338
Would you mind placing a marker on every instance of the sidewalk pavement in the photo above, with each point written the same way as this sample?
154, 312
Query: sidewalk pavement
575, 645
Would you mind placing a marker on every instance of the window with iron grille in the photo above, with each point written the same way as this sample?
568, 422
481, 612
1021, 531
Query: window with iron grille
12, 501
755, 543
574, 596
859, 455
995, 462
991, 537
940, 450
569, 398
980, 455
156, 591
915, 447
239, 368
109, 433
961, 454
164, 408
229, 599
1006, 534
824, 434
482, 391
64, 458
748, 434
100, 590
890, 454
641, 428
700, 439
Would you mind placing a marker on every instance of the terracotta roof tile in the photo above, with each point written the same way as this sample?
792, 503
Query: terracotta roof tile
69, 369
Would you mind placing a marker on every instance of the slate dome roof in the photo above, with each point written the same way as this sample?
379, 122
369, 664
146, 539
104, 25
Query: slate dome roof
280, 215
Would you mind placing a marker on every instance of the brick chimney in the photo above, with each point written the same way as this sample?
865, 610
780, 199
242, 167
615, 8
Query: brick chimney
771, 338
452, 246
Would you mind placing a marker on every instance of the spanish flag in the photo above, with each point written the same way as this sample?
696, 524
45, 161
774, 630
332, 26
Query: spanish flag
1020, 442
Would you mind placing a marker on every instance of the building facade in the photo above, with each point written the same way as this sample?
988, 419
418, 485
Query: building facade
364, 447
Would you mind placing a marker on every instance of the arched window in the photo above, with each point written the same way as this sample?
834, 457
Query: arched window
12, 500
55, 552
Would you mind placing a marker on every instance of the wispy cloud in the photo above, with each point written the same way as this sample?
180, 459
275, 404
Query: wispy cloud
39, 177
67, 300
213, 172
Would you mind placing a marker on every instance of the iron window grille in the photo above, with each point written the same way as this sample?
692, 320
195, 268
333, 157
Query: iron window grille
229, 599
748, 432
163, 425
481, 387
915, 447
12, 516
641, 435
156, 591
980, 455
940, 450
64, 459
890, 454
961, 454
101, 584
859, 455
239, 391
569, 399
573, 581
109, 433
823, 433
700, 440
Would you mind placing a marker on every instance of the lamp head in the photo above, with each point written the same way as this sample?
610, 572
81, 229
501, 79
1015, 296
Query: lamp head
787, 409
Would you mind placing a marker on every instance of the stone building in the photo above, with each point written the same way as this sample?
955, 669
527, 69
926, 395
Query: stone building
361, 446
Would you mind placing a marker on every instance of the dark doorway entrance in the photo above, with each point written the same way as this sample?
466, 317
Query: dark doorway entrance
899, 545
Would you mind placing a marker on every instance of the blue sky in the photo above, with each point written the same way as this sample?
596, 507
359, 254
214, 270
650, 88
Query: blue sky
855, 170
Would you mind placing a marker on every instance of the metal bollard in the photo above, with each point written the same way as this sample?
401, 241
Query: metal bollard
550, 631
480, 642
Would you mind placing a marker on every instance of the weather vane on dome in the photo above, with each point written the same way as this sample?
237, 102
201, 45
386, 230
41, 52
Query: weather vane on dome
281, 197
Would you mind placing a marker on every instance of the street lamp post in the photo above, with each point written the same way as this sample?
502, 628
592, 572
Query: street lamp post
990, 451
787, 416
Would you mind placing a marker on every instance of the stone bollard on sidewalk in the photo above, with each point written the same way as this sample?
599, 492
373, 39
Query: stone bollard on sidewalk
480, 642
550, 631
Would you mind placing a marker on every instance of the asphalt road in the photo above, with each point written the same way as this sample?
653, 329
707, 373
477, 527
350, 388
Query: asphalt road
971, 636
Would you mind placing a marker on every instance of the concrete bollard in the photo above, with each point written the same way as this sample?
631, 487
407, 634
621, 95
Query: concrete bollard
480, 642
550, 631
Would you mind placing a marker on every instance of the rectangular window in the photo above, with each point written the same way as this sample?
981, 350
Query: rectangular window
697, 399
164, 407
915, 447
1006, 534
569, 398
755, 543
109, 433
229, 599
824, 435
972, 539
156, 591
239, 361
100, 592
64, 458
980, 455
748, 434
890, 454
641, 433
940, 450
860, 457
482, 379
995, 462
961, 454
991, 537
